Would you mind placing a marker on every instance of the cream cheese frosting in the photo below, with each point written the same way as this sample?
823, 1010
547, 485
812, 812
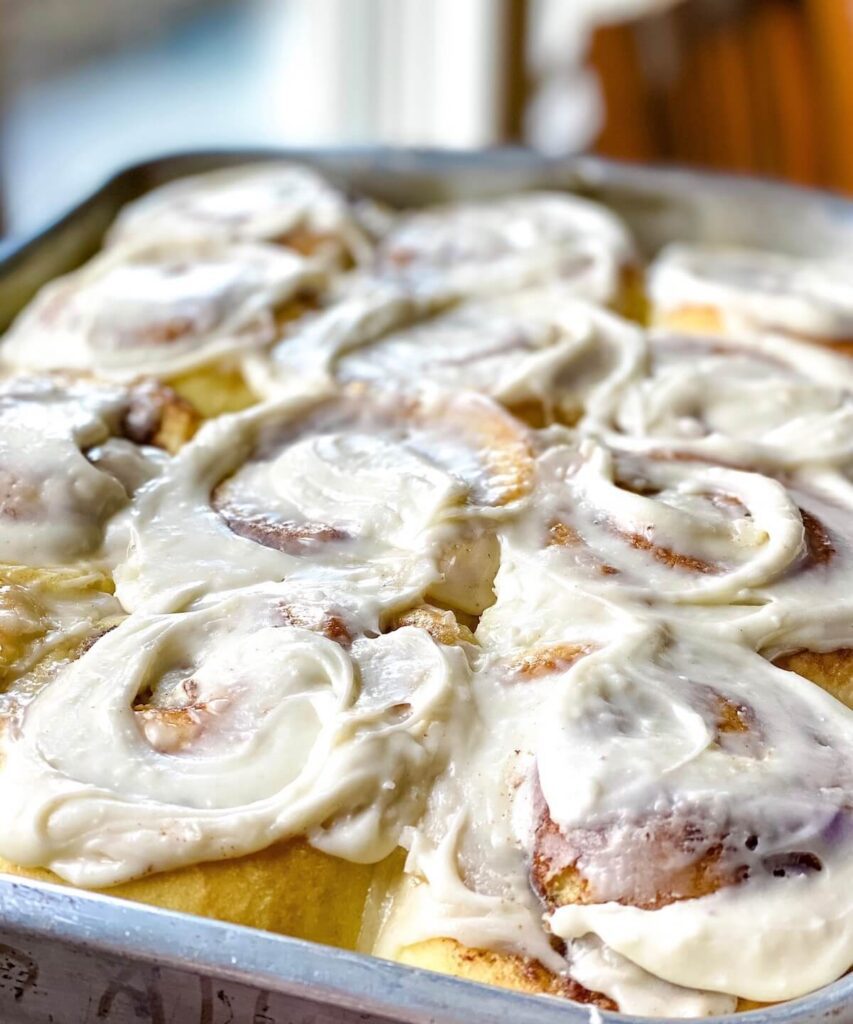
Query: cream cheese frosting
510, 243
757, 291
160, 310
629, 748
773, 793
540, 347
281, 203
215, 732
385, 490
64, 472
772, 405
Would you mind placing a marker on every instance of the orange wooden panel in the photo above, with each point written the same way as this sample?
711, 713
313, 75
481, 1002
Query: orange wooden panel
721, 56
784, 85
627, 130
831, 26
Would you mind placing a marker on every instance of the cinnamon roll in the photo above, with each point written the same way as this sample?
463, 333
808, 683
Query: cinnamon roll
774, 405
741, 292
469, 903
272, 719
174, 313
479, 248
282, 204
73, 451
765, 561
540, 352
395, 493
734, 814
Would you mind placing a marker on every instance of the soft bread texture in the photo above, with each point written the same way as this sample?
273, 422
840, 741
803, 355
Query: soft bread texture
215, 392
291, 889
831, 670
447, 956
704, 320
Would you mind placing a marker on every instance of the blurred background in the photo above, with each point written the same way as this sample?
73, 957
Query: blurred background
87, 86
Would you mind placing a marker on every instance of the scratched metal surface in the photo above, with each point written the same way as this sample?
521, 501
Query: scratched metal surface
75, 958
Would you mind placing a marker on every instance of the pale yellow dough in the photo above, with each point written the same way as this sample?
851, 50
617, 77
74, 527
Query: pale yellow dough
290, 888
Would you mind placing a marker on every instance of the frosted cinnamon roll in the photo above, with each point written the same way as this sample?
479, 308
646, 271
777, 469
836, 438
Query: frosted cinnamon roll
72, 450
723, 807
511, 243
541, 353
468, 903
72, 453
395, 493
739, 292
252, 720
773, 405
166, 312
765, 561
279, 203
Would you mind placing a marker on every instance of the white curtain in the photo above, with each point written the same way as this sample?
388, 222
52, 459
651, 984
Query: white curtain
389, 71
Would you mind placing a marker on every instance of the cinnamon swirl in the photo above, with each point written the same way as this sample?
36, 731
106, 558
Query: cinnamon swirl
251, 719
540, 352
395, 493
510, 243
280, 203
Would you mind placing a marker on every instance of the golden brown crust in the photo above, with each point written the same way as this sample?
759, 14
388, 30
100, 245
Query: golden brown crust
330, 625
831, 670
521, 974
24, 595
732, 717
548, 658
673, 863
441, 625
157, 415
501, 442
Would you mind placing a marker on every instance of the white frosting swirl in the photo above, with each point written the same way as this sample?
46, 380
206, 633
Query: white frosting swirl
159, 310
541, 346
273, 202
775, 793
773, 405
371, 488
510, 243
217, 731
56, 495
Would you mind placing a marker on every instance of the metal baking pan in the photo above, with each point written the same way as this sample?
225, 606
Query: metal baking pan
68, 957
